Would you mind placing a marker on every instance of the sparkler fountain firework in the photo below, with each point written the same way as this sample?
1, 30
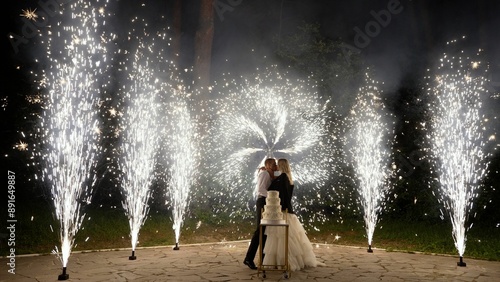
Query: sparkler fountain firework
140, 141
69, 124
269, 115
369, 147
181, 155
456, 136
155, 87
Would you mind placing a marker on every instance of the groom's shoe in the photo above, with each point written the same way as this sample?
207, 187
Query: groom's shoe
250, 264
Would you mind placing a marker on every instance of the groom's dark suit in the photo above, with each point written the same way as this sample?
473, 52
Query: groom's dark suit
263, 182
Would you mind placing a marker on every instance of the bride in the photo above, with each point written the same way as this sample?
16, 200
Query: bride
300, 250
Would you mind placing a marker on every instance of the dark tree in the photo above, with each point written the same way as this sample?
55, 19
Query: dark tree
176, 25
324, 60
203, 46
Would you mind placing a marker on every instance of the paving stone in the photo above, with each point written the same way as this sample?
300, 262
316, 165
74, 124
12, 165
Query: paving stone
224, 262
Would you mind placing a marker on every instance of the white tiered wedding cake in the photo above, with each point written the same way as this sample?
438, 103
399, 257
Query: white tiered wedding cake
272, 210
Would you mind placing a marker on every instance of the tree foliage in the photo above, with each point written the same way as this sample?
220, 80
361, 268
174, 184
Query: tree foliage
310, 52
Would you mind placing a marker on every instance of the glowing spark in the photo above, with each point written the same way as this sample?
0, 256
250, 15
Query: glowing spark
138, 147
182, 156
268, 115
4, 103
34, 99
457, 140
29, 14
112, 112
21, 146
369, 147
69, 146
139, 126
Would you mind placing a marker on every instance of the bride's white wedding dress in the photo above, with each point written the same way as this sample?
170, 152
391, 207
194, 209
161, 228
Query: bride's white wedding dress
300, 250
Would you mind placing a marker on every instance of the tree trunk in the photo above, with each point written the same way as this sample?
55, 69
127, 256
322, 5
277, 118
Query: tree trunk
176, 39
203, 47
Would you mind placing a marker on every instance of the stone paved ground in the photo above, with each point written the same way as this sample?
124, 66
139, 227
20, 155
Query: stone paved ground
224, 262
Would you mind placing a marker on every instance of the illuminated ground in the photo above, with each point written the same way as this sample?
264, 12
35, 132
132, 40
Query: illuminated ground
223, 262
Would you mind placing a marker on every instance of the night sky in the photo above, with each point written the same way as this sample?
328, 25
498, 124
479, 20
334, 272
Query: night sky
246, 31
412, 36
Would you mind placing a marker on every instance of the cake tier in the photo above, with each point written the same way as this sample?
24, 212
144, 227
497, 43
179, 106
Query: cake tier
273, 194
272, 209
273, 221
272, 215
273, 201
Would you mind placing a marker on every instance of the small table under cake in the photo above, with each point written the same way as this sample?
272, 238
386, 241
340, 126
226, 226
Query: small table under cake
282, 267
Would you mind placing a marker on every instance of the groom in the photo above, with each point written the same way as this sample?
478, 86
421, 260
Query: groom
264, 180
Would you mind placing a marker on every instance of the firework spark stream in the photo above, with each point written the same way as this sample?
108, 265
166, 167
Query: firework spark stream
69, 125
456, 135
369, 146
181, 155
269, 115
158, 142
139, 127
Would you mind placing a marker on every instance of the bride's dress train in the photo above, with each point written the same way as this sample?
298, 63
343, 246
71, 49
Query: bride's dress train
300, 250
